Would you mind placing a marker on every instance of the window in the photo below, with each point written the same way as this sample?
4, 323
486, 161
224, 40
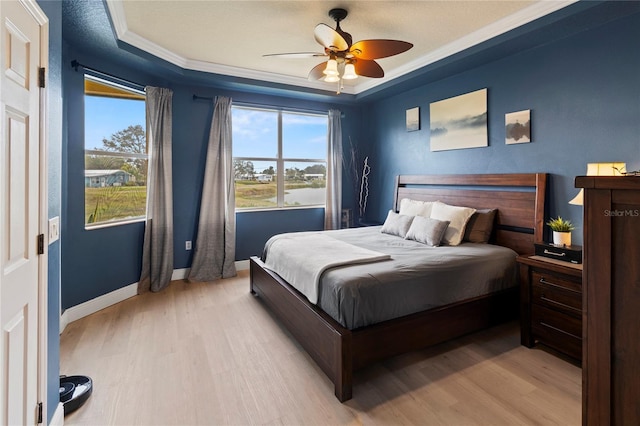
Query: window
279, 157
115, 174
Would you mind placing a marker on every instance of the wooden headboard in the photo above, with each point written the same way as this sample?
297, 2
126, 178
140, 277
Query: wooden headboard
519, 198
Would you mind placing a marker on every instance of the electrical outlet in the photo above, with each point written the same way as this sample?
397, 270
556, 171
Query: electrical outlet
54, 229
187, 245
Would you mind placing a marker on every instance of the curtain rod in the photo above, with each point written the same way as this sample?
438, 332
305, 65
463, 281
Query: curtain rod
204, 98
75, 64
256, 105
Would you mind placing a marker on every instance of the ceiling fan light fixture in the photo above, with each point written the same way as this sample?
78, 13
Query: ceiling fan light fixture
331, 78
343, 54
349, 72
332, 68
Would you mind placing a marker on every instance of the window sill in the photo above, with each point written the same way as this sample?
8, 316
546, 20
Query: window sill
114, 223
283, 209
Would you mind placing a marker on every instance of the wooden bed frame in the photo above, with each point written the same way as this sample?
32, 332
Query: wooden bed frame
520, 200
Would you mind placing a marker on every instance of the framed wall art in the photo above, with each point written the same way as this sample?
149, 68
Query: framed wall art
518, 127
459, 122
413, 119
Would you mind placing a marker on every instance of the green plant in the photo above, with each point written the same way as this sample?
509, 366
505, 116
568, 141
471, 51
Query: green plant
561, 225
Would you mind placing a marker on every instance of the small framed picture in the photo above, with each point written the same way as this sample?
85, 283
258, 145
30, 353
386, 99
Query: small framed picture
518, 127
413, 119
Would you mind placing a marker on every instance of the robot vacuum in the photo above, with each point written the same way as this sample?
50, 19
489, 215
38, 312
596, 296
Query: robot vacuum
74, 391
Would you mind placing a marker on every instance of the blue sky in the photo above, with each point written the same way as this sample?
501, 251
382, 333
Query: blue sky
255, 134
106, 116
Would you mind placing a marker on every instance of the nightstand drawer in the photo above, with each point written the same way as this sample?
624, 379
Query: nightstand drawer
556, 280
562, 332
551, 304
553, 296
545, 317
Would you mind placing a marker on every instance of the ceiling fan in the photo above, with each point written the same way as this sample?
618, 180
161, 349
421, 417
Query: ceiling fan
347, 60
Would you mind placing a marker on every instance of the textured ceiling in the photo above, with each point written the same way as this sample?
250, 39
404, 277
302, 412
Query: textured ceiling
231, 37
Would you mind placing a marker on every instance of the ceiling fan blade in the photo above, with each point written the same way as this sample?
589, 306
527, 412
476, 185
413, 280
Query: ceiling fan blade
296, 55
316, 72
368, 68
329, 38
376, 49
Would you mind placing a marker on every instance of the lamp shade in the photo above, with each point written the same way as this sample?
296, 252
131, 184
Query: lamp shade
332, 67
349, 72
599, 169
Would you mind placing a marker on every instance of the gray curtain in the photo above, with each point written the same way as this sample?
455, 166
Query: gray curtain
333, 207
215, 247
157, 252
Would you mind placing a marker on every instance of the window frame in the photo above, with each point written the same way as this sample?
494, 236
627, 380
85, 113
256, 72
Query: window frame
118, 86
280, 160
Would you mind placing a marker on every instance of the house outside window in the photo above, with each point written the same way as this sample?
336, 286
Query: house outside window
116, 157
279, 157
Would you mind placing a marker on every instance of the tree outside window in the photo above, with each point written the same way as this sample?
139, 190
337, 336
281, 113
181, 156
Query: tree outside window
115, 167
279, 158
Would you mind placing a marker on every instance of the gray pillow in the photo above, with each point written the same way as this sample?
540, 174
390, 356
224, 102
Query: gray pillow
396, 224
427, 231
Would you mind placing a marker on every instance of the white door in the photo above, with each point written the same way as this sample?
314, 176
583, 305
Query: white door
19, 213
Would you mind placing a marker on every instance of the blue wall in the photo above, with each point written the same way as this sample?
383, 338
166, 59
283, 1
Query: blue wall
99, 261
584, 95
581, 87
90, 255
53, 10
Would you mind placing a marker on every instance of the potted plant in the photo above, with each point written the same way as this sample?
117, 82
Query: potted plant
561, 231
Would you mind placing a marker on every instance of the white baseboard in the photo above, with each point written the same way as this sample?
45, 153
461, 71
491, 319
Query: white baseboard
58, 416
180, 274
94, 305
242, 265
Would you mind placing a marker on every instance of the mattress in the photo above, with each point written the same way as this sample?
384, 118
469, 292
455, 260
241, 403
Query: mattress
417, 277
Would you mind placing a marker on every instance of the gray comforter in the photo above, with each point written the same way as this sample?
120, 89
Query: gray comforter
416, 278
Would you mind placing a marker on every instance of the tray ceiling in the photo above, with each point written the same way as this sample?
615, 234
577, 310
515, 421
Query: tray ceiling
231, 37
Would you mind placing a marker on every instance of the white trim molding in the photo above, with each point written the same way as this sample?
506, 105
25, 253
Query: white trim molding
524, 16
58, 416
180, 274
101, 302
94, 305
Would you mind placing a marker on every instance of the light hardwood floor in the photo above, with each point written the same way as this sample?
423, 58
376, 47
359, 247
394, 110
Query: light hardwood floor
210, 353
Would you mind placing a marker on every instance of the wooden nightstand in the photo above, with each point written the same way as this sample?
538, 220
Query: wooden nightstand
551, 304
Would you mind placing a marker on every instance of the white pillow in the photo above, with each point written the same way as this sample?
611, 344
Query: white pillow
411, 207
396, 224
427, 231
457, 217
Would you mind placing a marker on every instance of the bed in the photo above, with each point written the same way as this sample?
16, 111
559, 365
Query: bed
340, 347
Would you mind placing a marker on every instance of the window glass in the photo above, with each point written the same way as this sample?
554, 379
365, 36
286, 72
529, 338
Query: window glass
256, 184
304, 136
255, 132
304, 183
115, 176
279, 158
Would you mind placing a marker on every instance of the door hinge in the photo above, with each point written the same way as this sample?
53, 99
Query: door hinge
39, 413
41, 77
41, 244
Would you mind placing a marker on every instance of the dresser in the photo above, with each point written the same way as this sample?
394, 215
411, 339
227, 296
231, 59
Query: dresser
551, 304
611, 300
